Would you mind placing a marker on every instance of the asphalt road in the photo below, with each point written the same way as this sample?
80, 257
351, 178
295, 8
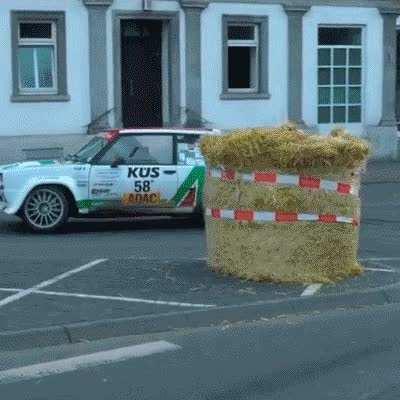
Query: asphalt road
343, 355
156, 266
166, 238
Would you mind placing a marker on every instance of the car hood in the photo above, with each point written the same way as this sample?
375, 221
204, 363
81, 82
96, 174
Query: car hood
31, 164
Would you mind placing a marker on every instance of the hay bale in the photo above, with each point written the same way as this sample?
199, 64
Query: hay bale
301, 252
287, 149
292, 251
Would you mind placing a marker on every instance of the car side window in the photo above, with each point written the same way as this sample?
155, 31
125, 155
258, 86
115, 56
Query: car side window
188, 149
140, 150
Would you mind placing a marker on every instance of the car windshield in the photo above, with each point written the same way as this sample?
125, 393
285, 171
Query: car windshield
89, 150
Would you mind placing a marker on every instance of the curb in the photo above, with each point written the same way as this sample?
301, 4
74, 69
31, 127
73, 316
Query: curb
102, 329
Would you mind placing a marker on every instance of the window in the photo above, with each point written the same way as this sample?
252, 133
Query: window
39, 70
141, 149
242, 58
339, 75
36, 57
90, 150
245, 57
188, 149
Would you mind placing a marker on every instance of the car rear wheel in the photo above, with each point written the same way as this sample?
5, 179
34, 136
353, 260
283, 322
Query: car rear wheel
45, 209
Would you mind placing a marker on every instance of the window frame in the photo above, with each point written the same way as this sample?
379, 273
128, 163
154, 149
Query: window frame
35, 43
260, 91
346, 85
96, 160
59, 92
253, 44
197, 139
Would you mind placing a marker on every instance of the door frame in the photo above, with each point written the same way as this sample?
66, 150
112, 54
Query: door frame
397, 110
171, 115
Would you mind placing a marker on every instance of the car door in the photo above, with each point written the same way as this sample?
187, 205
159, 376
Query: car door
144, 173
191, 173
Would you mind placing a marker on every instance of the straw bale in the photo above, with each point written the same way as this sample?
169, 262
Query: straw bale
248, 196
286, 148
284, 252
294, 252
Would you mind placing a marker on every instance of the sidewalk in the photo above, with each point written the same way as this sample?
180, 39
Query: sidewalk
382, 171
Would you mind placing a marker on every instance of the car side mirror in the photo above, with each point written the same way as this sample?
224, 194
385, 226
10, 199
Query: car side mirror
117, 161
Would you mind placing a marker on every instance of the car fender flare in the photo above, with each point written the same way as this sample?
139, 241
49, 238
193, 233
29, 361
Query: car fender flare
64, 181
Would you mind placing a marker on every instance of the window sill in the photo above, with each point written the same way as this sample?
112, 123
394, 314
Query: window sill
244, 96
40, 98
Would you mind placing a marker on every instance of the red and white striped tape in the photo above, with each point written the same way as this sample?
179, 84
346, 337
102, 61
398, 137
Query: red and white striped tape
273, 178
272, 216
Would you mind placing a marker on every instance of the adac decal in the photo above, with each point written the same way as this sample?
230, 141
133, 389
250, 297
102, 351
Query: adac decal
141, 198
143, 172
195, 180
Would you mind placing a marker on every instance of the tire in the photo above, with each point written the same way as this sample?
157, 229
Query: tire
45, 209
198, 219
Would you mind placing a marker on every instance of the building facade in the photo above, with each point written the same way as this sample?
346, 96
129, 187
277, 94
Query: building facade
72, 66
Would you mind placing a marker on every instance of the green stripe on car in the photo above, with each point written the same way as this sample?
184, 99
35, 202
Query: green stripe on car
196, 175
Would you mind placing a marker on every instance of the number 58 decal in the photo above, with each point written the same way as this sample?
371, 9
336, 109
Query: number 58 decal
142, 186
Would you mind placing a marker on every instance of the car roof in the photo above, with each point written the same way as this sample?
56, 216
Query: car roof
181, 131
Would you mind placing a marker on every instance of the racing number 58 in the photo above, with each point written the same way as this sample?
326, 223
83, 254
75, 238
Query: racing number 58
142, 186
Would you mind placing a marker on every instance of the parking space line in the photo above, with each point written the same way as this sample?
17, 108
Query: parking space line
379, 259
379, 269
112, 298
26, 292
166, 259
311, 289
70, 364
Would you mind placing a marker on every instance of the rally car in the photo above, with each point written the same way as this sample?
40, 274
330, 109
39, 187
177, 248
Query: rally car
126, 171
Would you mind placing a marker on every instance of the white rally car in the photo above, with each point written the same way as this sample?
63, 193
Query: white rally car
127, 171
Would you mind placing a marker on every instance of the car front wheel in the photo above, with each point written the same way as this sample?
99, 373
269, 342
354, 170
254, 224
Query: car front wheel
45, 209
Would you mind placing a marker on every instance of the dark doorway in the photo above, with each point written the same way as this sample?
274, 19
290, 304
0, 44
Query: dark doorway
141, 75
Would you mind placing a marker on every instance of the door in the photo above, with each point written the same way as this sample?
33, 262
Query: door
191, 173
141, 173
398, 79
141, 74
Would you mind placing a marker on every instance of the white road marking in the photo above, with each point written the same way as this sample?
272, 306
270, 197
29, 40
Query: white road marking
379, 259
311, 289
57, 367
26, 292
168, 259
379, 269
12, 290
112, 298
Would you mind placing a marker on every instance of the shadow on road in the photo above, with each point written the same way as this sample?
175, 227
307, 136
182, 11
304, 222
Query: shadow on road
95, 225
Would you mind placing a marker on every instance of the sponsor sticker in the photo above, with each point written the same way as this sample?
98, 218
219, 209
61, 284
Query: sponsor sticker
143, 172
107, 174
100, 191
103, 184
141, 198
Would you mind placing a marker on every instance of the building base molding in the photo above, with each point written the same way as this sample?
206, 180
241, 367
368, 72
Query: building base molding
383, 140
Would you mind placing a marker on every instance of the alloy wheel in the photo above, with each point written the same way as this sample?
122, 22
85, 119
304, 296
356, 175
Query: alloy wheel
44, 208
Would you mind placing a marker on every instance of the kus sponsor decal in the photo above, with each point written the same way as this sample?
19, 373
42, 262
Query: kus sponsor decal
143, 172
141, 198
